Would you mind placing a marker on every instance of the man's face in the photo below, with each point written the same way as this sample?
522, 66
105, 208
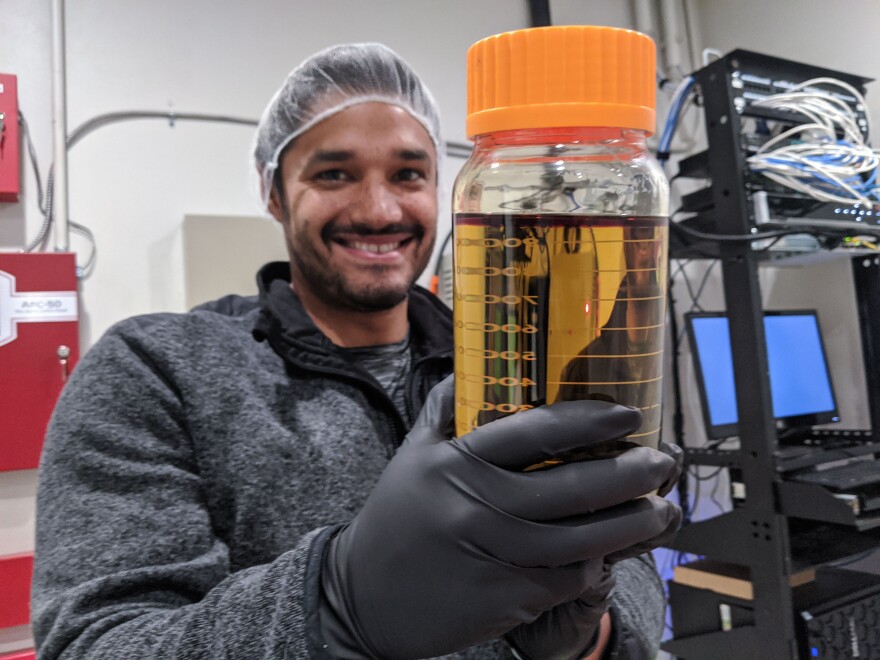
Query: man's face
359, 208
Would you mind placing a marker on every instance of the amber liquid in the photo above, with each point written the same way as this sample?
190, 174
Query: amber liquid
559, 307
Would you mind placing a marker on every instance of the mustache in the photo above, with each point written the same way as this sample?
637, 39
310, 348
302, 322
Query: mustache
362, 229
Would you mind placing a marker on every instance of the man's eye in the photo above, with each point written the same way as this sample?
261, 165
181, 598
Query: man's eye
410, 174
332, 175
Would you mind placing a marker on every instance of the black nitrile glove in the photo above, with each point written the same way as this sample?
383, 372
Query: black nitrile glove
456, 545
677, 454
569, 631
665, 537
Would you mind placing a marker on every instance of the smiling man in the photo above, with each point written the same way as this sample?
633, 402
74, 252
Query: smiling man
357, 197
250, 479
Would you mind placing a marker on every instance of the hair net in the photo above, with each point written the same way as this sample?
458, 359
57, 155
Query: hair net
331, 81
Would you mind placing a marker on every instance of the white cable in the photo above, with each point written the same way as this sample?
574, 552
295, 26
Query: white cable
810, 157
711, 53
852, 90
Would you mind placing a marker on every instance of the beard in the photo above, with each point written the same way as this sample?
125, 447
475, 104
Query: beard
316, 273
331, 286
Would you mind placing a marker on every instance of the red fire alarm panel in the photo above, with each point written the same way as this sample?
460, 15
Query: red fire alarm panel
15, 589
30, 654
9, 164
39, 346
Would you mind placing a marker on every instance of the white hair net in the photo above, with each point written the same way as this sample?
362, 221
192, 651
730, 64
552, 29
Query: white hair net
331, 81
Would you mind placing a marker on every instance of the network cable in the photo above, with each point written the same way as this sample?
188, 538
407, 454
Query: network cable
675, 107
829, 156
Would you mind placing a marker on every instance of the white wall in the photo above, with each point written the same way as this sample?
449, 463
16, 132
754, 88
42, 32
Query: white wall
835, 35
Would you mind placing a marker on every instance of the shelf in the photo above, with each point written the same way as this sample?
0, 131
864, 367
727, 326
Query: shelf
729, 458
823, 447
814, 502
816, 544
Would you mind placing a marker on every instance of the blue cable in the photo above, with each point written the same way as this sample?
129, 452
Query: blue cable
854, 181
672, 118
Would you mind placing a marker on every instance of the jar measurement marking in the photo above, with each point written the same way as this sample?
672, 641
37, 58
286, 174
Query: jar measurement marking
488, 243
489, 354
635, 327
496, 327
602, 357
492, 298
485, 379
604, 382
487, 406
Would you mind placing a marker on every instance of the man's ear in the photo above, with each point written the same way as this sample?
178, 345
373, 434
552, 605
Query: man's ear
276, 206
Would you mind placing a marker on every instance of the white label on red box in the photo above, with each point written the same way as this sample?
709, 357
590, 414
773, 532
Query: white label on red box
31, 307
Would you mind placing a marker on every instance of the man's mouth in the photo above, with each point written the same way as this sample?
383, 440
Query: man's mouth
384, 244
376, 248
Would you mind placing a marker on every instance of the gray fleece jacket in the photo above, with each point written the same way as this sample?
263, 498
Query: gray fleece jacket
194, 468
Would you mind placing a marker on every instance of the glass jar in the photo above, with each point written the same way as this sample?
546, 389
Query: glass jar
560, 266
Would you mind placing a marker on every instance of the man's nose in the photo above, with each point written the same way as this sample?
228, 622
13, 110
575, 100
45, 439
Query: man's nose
376, 204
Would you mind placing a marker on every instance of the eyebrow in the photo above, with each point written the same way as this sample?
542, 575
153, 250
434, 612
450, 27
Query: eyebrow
323, 156
342, 155
413, 154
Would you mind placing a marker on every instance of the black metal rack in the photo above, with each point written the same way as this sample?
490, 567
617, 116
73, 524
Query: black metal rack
760, 533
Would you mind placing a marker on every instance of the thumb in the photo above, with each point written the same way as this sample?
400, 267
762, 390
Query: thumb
436, 421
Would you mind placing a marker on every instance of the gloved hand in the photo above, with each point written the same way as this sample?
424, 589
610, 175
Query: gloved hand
457, 545
677, 454
665, 537
569, 630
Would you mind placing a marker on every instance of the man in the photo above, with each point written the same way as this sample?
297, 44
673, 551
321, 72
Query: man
247, 480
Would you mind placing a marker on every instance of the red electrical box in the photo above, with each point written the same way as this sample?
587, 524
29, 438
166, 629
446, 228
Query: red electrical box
39, 346
30, 654
9, 163
15, 589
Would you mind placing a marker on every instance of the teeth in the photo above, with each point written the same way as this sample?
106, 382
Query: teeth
378, 249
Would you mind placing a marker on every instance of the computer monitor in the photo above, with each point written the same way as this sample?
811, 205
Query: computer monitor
800, 384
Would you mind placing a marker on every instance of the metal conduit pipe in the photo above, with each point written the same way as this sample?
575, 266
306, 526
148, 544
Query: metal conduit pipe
643, 18
59, 128
694, 38
672, 40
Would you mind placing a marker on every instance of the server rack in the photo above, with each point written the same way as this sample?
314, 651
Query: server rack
758, 533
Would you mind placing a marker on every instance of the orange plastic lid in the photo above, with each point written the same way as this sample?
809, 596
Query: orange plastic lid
577, 75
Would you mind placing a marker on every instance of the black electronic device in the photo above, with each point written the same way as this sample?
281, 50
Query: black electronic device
800, 382
756, 76
852, 475
855, 482
750, 79
837, 614
790, 207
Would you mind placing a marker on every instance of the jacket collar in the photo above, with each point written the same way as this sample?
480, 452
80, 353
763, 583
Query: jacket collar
285, 324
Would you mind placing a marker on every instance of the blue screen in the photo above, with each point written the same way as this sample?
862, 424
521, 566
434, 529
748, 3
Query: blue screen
799, 380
